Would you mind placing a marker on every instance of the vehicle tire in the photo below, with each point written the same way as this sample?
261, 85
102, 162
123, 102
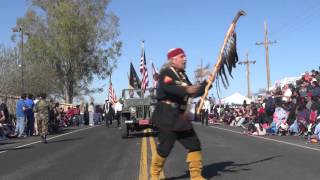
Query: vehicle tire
124, 128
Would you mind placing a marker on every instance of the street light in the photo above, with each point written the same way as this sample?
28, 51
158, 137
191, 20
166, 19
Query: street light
20, 30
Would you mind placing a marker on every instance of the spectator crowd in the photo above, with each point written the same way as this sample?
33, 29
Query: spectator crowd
288, 110
24, 121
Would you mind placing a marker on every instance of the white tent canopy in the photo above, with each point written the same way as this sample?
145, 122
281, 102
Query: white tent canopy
287, 80
235, 98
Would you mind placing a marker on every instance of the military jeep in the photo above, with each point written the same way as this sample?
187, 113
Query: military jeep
138, 107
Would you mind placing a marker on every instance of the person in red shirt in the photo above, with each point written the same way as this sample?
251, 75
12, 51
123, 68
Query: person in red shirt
69, 114
76, 110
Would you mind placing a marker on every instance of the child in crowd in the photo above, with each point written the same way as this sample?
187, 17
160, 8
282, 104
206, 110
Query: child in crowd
256, 130
316, 134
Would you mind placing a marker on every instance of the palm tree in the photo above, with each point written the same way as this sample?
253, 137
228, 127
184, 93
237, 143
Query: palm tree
201, 72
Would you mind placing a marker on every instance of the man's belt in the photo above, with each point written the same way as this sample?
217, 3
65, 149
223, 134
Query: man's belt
175, 105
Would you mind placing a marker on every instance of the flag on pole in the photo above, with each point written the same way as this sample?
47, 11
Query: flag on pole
112, 94
155, 75
143, 70
134, 80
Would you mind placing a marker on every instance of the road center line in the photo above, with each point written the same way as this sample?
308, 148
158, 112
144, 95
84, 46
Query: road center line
268, 139
153, 150
143, 172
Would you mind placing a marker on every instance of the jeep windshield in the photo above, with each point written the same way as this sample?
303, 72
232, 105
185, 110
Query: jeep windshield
138, 94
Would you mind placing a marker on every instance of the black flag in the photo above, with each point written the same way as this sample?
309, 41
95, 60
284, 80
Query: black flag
134, 80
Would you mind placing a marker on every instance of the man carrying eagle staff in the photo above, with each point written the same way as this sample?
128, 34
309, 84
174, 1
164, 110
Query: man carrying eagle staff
171, 115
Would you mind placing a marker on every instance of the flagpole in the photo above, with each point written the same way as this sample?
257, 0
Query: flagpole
129, 86
110, 97
109, 86
143, 69
110, 78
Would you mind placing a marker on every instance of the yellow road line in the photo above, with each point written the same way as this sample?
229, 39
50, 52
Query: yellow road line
153, 150
143, 173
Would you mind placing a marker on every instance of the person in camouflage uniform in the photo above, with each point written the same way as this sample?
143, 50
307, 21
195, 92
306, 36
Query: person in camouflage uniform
42, 109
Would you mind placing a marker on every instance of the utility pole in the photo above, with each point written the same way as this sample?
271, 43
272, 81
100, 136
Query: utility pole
20, 30
266, 43
247, 63
110, 82
201, 70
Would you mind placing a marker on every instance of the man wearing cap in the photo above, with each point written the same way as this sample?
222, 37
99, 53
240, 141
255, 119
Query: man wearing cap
108, 109
171, 115
42, 109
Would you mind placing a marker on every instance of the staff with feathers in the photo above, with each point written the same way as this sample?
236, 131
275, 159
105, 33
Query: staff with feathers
227, 57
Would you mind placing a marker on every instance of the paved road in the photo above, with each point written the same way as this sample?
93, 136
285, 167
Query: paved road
89, 153
99, 153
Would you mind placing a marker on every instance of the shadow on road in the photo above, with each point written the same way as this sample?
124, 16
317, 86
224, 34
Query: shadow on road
215, 169
62, 131
230, 167
184, 176
65, 140
141, 135
5, 143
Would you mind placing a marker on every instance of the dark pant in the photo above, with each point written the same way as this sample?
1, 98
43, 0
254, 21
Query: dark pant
2, 133
188, 139
30, 122
118, 118
205, 117
109, 119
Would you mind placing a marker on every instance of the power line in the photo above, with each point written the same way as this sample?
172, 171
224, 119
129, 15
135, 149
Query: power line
305, 17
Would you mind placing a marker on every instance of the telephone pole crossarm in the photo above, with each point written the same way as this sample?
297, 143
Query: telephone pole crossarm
269, 42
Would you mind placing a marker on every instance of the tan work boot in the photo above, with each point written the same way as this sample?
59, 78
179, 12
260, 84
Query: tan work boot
156, 166
194, 159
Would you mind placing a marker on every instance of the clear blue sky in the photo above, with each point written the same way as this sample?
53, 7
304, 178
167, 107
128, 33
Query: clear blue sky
199, 28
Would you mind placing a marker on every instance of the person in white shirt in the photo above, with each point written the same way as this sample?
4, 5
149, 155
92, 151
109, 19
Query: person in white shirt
118, 109
91, 111
287, 93
82, 110
317, 131
36, 132
106, 107
205, 111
